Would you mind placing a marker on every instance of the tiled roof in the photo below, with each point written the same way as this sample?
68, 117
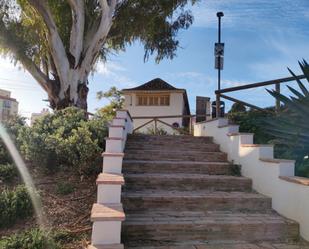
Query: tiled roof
154, 85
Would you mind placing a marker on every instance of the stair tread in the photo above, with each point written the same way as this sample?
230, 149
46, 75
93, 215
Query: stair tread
188, 152
166, 136
215, 217
189, 194
186, 176
132, 161
225, 245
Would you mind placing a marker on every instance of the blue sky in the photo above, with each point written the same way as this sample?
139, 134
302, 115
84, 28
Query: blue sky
262, 38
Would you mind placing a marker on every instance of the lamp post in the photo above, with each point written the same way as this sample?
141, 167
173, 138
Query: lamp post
219, 53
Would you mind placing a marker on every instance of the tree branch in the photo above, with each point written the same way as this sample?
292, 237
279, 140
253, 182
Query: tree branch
93, 46
56, 45
78, 26
10, 41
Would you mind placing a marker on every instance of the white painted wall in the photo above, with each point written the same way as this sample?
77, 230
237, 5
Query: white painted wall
176, 107
106, 231
289, 199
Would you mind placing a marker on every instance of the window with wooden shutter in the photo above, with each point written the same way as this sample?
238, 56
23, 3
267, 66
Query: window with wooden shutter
153, 100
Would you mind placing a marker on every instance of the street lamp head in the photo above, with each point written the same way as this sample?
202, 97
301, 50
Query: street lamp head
220, 14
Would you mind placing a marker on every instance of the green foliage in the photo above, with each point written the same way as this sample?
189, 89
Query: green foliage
291, 126
250, 121
31, 239
64, 139
116, 102
4, 154
13, 126
14, 204
64, 188
7, 172
302, 168
152, 131
154, 23
237, 107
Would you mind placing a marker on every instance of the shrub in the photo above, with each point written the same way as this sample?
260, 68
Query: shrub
160, 131
290, 127
254, 122
64, 188
13, 126
14, 204
7, 172
237, 107
4, 154
31, 239
250, 121
64, 139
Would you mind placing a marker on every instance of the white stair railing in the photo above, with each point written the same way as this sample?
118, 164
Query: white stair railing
272, 177
107, 214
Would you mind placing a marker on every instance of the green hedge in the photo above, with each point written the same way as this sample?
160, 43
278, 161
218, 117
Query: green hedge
14, 205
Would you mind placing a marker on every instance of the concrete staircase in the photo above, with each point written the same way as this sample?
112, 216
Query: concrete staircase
180, 193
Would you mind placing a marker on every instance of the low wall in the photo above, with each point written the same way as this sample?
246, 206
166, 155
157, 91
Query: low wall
271, 177
107, 213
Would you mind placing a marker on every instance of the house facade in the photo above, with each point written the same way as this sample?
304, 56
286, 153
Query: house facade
157, 98
8, 105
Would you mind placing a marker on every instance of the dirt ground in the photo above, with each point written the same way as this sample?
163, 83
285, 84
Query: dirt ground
69, 213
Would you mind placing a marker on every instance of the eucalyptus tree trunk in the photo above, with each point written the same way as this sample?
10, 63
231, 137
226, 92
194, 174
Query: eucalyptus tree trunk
64, 72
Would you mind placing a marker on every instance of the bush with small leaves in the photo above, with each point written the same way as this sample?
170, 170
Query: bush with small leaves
31, 239
64, 139
13, 126
14, 204
7, 172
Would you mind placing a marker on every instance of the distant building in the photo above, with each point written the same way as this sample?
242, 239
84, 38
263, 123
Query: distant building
154, 99
8, 105
35, 116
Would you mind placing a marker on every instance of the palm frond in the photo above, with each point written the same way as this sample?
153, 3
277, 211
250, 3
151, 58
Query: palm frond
300, 84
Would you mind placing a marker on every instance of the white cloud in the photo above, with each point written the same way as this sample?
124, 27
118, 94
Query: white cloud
109, 68
22, 86
252, 14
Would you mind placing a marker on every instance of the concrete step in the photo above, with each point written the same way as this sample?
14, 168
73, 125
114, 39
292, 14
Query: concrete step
224, 245
195, 201
155, 228
174, 155
186, 182
169, 138
189, 167
108, 246
201, 147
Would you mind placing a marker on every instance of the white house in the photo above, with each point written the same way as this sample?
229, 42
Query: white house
8, 105
157, 98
